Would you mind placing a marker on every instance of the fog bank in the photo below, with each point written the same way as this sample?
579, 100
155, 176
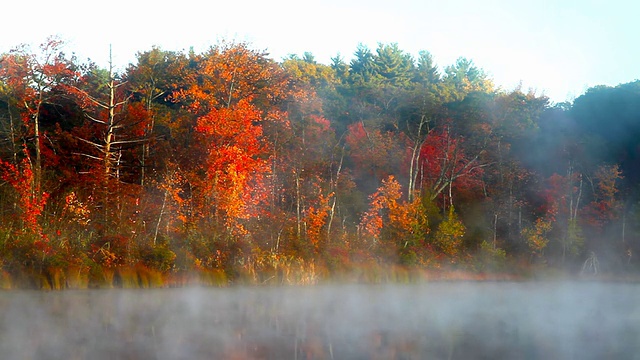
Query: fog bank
439, 321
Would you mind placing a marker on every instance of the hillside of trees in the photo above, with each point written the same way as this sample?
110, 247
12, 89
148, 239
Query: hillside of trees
231, 167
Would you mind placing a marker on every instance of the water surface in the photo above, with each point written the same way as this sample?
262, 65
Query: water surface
448, 320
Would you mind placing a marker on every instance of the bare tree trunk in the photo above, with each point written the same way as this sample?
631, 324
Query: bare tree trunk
146, 146
415, 157
332, 212
109, 136
108, 140
298, 205
574, 204
495, 229
109, 149
164, 203
37, 178
12, 131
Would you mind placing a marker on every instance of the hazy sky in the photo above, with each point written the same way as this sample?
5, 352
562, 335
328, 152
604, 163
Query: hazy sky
559, 47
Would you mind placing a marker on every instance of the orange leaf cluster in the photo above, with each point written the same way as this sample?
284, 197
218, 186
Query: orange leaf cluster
406, 218
32, 201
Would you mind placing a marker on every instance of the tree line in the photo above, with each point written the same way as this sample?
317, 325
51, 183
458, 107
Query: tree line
232, 164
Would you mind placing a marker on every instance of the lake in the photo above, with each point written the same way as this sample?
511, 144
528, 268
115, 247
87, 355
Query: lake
440, 320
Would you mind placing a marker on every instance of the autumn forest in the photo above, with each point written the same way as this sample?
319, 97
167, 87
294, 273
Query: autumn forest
229, 167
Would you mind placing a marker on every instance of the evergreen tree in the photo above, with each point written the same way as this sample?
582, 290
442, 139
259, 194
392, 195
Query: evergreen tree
393, 66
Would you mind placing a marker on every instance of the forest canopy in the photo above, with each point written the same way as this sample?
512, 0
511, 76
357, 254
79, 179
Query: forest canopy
241, 168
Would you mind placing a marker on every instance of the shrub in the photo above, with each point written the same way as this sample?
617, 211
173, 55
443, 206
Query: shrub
490, 258
158, 257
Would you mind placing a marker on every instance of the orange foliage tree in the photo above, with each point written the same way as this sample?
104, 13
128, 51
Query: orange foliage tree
395, 226
31, 203
235, 164
232, 93
315, 219
35, 246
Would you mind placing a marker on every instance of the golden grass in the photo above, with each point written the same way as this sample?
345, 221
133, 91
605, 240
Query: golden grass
5, 280
56, 278
77, 277
296, 272
201, 277
212, 277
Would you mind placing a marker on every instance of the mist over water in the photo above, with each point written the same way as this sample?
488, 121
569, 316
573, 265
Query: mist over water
557, 320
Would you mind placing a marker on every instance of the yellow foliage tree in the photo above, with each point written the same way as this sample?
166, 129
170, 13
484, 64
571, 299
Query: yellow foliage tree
450, 232
536, 236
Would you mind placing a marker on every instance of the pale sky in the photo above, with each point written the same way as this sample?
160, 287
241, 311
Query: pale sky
559, 48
